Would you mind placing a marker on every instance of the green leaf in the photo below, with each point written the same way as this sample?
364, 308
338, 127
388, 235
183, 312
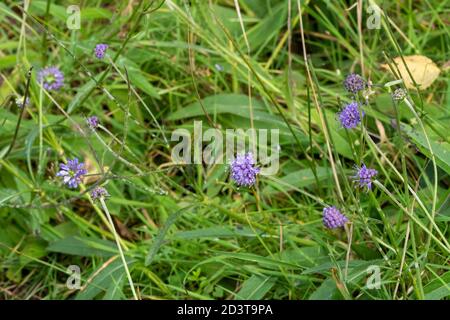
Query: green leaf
237, 104
114, 291
60, 12
268, 28
108, 280
81, 95
305, 257
299, 179
85, 247
326, 291
96, 13
441, 149
139, 80
215, 232
439, 288
34, 248
255, 288
40, 7
157, 243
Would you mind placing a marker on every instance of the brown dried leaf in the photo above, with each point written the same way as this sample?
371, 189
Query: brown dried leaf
423, 70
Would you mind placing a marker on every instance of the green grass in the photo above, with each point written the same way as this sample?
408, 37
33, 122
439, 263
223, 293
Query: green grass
187, 231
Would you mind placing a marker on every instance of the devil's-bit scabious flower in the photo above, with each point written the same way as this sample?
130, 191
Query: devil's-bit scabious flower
399, 94
72, 172
19, 101
92, 122
243, 170
350, 116
99, 192
333, 218
51, 78
100, 50
364, 175
354, 83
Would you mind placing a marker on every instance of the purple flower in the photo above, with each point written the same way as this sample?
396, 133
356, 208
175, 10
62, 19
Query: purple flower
72, 172
99, 192
364, 176
354, 83
19, 101
350, 116
51, 78
92, 122
333, 218
243, 170
100, 50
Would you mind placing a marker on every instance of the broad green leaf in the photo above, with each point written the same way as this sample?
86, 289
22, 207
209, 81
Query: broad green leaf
441, 149
439, 288
34, 248
215, 232
299, 179
237, 104
326, 291
108, 280
305, 257
81, 95
139, 80
255, 288
83, 247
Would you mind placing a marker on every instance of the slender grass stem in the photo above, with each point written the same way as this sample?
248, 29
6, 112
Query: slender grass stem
119, 247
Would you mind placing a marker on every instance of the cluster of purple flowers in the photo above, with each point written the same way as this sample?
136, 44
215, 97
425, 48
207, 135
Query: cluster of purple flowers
243, 170
72, 173
351, 115
100, 50
333, 218
364, 176
92, 122
51, 78
99, 192
354, 83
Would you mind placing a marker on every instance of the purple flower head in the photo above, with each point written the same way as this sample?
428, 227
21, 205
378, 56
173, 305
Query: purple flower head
364, 176
72, 172
350, 116
99, 192
51, 78
100, 50
243, 170
333, 218
92, 122
354, 83
19, 101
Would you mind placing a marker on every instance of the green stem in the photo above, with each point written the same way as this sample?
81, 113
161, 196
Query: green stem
116, 237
